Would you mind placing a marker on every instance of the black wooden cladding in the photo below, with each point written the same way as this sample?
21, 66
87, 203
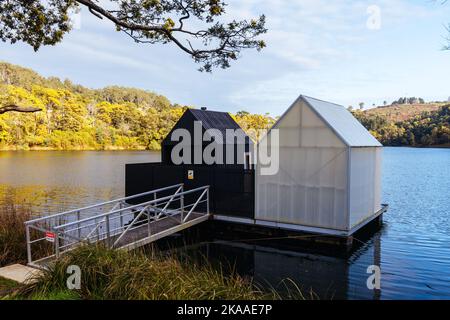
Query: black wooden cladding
232, 188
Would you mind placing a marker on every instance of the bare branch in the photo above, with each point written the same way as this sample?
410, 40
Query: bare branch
95, 13
220, 42
16, 108
209, 40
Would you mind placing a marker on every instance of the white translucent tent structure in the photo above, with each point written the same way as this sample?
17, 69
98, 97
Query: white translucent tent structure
329, 177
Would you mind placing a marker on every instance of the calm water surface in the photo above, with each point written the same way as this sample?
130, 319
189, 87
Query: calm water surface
55, 181
412, 247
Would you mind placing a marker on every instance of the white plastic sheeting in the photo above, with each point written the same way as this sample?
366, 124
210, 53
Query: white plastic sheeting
365, 183
310, 187
313, 186
343, 123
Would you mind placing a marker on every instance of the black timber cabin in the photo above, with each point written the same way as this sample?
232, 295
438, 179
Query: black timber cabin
231, 181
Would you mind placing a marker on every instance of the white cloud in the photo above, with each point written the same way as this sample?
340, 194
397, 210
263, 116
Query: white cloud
321, 40
317, 47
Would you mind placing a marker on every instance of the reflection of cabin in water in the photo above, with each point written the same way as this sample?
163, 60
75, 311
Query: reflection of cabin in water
329, 274
328, 182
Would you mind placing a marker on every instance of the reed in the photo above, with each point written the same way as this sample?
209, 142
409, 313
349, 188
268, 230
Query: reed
13, 248
12, 234
113, 274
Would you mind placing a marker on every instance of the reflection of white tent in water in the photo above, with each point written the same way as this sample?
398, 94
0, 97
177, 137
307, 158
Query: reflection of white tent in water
329, 180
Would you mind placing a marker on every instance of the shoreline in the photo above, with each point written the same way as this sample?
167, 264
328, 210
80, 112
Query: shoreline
440, 146
75, 149
445, 146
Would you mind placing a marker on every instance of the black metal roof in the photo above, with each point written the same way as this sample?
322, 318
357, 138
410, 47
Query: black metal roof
214, 119
210, 120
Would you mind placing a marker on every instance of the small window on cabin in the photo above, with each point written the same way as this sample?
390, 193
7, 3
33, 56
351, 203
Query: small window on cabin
247, 162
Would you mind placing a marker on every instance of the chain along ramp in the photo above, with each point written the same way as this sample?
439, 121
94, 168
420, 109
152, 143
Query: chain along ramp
117, 223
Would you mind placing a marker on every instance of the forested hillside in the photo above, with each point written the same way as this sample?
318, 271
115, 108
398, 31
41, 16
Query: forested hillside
77, 118
408, 125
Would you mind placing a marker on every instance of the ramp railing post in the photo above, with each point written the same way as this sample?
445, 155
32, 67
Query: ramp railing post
108, 236
121, 215
56, 243
148, 223
207, 200
98, 230
78, 225
27, 230
182, 203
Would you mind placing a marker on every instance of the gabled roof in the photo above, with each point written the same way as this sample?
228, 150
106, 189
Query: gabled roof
214, 119
210, 120
342, 122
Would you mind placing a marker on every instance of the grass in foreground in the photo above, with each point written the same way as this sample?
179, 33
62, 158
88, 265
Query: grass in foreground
111, 274
7, 287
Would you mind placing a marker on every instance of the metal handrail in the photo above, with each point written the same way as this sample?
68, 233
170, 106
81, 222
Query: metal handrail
101, 204
127, 208
194, 206
119, 220
97, 224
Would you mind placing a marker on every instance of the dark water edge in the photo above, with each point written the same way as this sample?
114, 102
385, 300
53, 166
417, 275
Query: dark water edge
412, 247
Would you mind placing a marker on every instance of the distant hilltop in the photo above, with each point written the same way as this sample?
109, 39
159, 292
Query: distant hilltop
416, 124
404, 112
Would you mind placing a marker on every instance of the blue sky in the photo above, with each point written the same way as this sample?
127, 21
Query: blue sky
321, 48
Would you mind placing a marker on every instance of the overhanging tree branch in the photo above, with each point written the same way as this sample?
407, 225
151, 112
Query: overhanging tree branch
242, 34
16, 108
212, 42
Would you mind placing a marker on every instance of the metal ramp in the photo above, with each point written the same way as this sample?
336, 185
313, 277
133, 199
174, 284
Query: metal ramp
118, 224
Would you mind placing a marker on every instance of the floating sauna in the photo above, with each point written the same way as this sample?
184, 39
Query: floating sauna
328, 182
329, 178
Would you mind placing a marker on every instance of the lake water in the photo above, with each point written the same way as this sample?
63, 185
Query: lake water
412, 247
55, 181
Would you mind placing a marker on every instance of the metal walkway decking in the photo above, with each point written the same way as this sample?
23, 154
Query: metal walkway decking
118, 224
